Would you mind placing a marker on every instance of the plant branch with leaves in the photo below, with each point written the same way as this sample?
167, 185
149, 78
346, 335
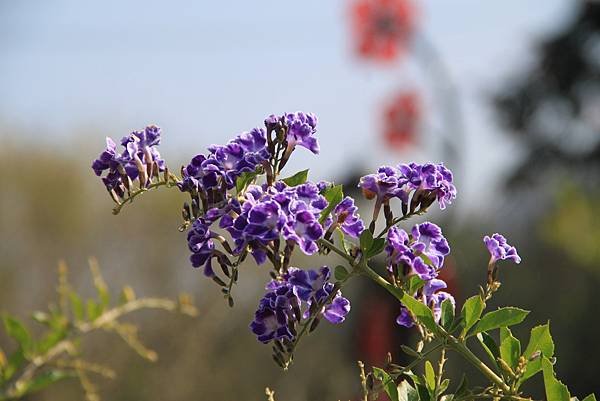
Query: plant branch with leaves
239, 206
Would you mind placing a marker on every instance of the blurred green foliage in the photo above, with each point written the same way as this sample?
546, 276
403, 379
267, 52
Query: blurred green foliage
573, 226
38, 362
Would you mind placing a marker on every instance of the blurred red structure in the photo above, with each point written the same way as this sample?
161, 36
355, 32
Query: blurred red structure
382, 28
401, 120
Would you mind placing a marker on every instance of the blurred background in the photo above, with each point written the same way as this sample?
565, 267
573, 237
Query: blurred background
507, 94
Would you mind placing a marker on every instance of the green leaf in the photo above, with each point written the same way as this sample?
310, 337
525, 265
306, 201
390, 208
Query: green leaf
590, 397
429, 376
388, 383
444, 386
103, 297
93, 310
76, 306
15, 329
414, 283
406, 392
539, 340
376, 247
409, 351
447, 314
244, 180
555, 390
415, 378
334, 195
340, 273
342, 239
420, 311
51, 338
44, 380
471, 311
366, 241
490, 347
423, 393
502, 317
510, 347
15, 361
297, 179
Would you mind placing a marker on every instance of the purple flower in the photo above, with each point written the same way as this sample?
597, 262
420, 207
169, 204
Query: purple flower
208, 177
499, 249
138, 159
108, 159
337, 310
346, 217
274, 318
323, 185
201, 245
384, 185
427, 182
404, 318
431, 181
429, 241
260, 221
287, 301
244, 153
422, 253
308, 193
309, 283
304, 229
301, 128
141, 149
270, 212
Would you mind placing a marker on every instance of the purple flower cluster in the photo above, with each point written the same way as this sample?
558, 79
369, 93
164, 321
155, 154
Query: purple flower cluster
202, 246
345, 217
419, 253
270, 212
299, 129
139, 159
500, 250
288, 302
427, 182
209, 177
430, 179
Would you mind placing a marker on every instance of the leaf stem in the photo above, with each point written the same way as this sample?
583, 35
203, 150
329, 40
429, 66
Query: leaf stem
466, 353
330, 245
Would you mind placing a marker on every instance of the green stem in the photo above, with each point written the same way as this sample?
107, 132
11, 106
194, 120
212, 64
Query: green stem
372, 274
331, 246
466, 353
169, 183
420, 359
452, 342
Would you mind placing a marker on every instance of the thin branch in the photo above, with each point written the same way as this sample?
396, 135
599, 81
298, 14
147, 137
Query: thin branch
171, 182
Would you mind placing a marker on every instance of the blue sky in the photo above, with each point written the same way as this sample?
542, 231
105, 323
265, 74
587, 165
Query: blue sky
205, 71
